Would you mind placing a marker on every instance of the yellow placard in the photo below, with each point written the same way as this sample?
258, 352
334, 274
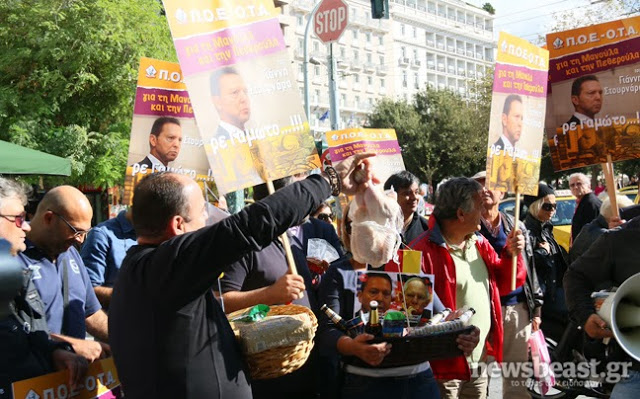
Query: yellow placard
101, 378
193, 17
588, 37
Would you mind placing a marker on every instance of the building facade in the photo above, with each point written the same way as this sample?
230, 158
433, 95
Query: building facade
442, 43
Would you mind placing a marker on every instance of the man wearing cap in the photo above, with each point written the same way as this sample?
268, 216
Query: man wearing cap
520, 307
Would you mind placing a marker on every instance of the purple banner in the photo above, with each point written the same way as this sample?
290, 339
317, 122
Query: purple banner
595, 60
389, 147
520, 80
163, 102
229, 47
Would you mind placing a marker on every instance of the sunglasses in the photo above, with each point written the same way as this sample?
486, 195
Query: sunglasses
76, 233
549, 206
326, 217
17, 219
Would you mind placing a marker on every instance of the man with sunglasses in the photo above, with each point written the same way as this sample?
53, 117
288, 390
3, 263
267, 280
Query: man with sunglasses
521, 308
59, 226
26, 348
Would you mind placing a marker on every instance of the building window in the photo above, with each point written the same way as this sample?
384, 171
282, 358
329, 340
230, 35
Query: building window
357, 101
316, 69
316, 46
369, 80
402, 29
381, 59
301, 68
355, 55
403, 52
343, 52
368, 36
356, 78
382, 83
415, 54
301, 44
369, 58
415, 32
299, 20
355, 34
381, 40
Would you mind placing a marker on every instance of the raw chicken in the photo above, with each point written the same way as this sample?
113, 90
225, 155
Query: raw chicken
376, 222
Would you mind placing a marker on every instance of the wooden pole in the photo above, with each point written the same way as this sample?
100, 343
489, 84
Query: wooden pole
607, 169
514, 260
285, 243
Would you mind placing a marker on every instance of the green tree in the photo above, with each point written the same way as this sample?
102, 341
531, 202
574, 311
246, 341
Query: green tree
68, 71
489, 8
441, 135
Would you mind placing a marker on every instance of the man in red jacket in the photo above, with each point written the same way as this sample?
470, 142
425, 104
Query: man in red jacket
467, 272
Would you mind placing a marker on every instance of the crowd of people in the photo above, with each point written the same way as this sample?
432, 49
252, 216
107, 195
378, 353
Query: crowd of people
152, 286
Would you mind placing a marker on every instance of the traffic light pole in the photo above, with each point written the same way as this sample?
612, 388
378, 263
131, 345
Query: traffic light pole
334, 112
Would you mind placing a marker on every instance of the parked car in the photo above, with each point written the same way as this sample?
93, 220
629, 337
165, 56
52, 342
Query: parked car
631, 192
561, 220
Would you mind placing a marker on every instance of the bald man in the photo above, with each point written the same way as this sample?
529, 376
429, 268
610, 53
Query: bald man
60, 225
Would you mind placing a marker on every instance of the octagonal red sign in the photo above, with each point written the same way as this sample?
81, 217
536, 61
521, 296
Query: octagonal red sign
330, 20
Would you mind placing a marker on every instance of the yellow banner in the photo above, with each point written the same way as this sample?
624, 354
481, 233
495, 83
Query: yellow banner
160, 74
588, 37
101, 379
517, 51
193, 17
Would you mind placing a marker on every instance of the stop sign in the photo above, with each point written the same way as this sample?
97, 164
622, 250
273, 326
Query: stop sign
331, 20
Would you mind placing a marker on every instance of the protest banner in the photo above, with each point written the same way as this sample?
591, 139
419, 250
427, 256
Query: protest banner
594, 75
242, 87
161, 94
383, 142
516, 127
100, 382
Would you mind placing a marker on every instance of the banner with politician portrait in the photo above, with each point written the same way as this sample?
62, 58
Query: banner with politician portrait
409, 293
247, 103
517, 116
594, 103
164, 135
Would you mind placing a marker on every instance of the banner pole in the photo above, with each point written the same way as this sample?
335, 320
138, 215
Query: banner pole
607, 169
514, 260
285, 240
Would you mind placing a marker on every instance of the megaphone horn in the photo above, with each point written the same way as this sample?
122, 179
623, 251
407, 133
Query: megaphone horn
621, 311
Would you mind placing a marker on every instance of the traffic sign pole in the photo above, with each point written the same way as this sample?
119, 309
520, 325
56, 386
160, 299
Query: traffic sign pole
334, 112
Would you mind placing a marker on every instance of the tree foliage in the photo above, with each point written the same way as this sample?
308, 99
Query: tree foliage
441, 135
68, 71
489, 8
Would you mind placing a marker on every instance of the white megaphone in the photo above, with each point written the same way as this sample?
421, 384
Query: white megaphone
621, 311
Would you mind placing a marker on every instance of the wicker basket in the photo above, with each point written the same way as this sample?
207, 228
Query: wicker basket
277, 362
407, 351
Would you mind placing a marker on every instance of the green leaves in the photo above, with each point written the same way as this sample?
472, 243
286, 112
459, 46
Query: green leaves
68, 71
441, 134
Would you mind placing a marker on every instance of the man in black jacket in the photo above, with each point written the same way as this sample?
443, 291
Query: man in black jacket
588, 205
611, 260
405, 185
169, 336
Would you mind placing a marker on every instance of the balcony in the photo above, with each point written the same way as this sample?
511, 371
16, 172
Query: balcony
403, 61
430, 43
356, 87
381, 70
356, 65
415, 63
382, 90
369, 67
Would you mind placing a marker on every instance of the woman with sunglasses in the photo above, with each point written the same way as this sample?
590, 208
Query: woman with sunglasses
549, 257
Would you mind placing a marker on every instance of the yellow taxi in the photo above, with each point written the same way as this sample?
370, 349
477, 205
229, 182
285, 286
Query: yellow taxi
561, 220
631, 192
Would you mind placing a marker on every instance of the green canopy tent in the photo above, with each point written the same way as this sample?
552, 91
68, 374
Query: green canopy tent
17, 160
